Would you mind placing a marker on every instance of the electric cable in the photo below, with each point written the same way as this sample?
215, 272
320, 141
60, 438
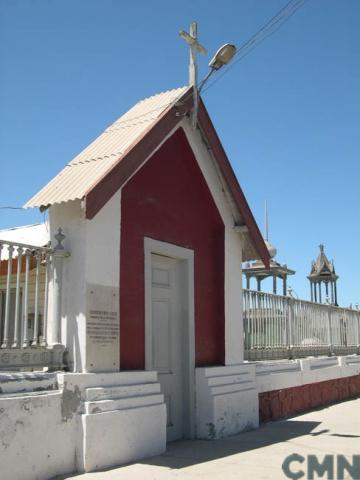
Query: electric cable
255, 40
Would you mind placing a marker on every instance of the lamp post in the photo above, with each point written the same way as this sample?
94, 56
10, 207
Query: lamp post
222, 57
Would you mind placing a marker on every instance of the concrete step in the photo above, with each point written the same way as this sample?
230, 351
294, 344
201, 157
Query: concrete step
229, 380
19, 382
101, 406
94, 394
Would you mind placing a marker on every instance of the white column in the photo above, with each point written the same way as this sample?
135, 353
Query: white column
274, 284
290, 326
58, 255
6, 341
26, 299
16, 339
234, 337
330, 333
46, 301
35, 340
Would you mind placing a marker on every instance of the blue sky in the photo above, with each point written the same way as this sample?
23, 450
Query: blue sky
288, 114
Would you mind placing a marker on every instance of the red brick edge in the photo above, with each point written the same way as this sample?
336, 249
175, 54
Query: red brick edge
289, 401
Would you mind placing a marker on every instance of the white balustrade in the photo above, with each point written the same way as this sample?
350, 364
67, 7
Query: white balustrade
25, 317
278, 327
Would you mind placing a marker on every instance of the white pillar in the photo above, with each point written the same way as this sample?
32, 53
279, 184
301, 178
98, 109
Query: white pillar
234, 336
6, 340
58, 255
16, 339
26, 300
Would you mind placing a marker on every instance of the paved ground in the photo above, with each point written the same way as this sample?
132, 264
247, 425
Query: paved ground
258, 454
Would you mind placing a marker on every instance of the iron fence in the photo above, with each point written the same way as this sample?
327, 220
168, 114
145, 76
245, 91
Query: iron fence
277, 327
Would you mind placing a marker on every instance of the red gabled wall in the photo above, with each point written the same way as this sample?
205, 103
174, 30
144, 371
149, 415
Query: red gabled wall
168, 200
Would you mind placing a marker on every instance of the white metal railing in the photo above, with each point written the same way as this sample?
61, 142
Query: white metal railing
278, 327
30, 334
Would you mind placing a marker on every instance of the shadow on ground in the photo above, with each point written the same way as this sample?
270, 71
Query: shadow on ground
184, 453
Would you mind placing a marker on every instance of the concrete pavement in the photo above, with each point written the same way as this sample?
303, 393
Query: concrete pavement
257, 454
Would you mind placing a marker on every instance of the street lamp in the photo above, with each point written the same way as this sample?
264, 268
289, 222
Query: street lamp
222, 57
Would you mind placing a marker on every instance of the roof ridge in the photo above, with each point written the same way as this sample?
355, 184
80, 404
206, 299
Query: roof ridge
162, 93
93, 159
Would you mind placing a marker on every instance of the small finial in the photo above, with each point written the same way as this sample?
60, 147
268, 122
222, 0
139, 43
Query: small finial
321, 246
59, 237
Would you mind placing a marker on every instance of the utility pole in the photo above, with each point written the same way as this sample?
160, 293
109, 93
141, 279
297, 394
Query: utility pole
195, 47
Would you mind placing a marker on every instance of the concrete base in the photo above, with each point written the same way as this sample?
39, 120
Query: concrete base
36, 443
90, 421
123, 417
293, 373
56, 423
122, 436
226, 401
258, 454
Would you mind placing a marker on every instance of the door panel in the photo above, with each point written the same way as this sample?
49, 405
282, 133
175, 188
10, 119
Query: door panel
167, 338
161, 314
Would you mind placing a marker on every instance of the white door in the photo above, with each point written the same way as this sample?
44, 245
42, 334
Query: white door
168, 338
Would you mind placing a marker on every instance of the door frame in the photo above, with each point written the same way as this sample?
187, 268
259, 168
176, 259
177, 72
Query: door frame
186, 256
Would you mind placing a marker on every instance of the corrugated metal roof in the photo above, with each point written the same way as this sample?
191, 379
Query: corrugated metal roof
96, 159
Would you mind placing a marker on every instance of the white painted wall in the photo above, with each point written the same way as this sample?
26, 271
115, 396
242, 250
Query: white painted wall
78, 422
226, 401
121, 417
70, 217
94, 246
103, 244
234, 328
36, 442
293, 373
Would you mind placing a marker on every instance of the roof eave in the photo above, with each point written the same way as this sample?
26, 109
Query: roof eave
227, 171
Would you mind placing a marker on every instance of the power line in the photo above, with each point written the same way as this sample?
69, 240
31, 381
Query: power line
12, 208
254, 41
270, 27
262, 34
